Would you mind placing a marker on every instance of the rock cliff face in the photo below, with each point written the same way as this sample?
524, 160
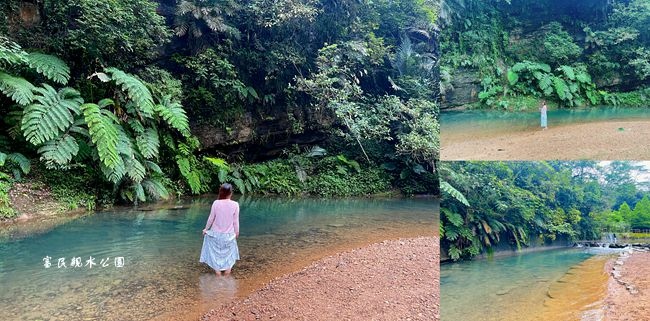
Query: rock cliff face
257, 138
466, 86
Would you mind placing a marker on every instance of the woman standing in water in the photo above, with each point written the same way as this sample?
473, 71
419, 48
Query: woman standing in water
543, 110
220, 235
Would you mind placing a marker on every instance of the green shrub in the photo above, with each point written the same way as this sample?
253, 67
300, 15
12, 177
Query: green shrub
77, 188
5, 203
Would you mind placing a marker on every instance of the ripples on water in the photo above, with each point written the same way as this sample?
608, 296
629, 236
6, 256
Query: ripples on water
162, 276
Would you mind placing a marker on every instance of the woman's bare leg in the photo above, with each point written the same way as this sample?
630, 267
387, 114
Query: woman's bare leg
226, 272
217, 272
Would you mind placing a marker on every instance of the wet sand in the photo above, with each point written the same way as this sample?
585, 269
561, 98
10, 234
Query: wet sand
628, 295
391, 280
597, 140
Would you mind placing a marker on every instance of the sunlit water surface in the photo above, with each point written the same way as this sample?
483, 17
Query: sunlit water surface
560, 285
162, 277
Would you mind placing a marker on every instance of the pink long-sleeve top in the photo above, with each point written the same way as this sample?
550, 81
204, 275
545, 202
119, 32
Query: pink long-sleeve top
224, 217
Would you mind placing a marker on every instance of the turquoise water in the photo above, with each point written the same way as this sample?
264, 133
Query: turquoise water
486, 289
478, 121
161, 273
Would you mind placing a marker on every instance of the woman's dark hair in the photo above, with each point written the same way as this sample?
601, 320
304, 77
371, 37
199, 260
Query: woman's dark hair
225, 190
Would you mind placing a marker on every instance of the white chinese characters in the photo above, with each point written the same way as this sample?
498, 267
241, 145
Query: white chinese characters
77, 262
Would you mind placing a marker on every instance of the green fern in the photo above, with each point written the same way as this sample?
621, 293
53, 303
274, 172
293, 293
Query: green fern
17, 89
155, 189
104, 134
453, 192
583, 76
3, 159
153, 167
51, 114
546, 84
568, 71
134, 193
174, 115
115, 174
135, 170
11, 53
58, 153
19, 159
561, 88
192, 177
51, 67
148, 143
135, 89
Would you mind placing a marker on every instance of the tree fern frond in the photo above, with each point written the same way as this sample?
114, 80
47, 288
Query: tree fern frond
49, 66
135, 170
568, 72
58, 153
174, 115
139, 192
78, 129
155, 188
148, 143
136, 125
152, 167
3, 159
51, 114
135, 89
125, 144
115, 174
104, 134
169, 141
453, 192
20, 160
18, 89
11, 53
191, 177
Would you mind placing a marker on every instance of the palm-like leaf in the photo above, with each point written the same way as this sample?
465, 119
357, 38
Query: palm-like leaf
49, 66
104, 134
135, 89
11, 53
20, 160
453, 192
174, 115
51, 114
148, 143
59, 152
155, 189
18, 89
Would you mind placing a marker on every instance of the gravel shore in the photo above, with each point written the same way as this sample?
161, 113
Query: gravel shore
628, 296
599, 140
391, 280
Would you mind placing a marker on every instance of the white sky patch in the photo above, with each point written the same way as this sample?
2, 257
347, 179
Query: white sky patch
641, 177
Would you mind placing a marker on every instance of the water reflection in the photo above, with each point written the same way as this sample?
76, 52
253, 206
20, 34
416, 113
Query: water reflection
212, 286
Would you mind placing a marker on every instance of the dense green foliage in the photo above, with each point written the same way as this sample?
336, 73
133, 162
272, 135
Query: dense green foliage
109, 91
513, 203
574, 53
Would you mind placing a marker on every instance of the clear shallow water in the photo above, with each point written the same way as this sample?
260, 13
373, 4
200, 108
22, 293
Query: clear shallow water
161, 274
492, 122
505, 288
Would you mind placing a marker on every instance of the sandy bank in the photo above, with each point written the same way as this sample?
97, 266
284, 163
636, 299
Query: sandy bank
391, 280
598, 140
628, 292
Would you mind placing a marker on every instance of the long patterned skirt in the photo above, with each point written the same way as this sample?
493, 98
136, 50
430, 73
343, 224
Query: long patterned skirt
219, 250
